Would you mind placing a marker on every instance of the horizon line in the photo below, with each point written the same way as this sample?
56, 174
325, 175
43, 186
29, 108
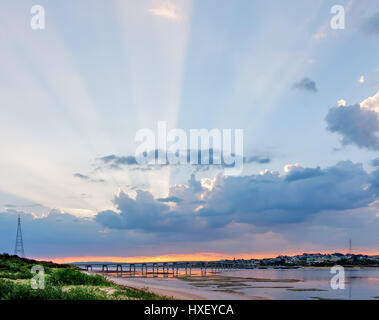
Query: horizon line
205, 256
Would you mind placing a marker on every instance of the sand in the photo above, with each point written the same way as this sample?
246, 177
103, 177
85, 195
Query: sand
177, 289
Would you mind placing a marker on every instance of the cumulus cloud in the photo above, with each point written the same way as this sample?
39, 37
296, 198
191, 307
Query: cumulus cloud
371, 103
265, 199
224, 212
341, 103
371, 25
357, 124
305, 84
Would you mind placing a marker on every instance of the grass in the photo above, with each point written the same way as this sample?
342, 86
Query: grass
62, 282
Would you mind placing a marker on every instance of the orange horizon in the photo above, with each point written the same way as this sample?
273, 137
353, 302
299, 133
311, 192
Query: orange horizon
204, 256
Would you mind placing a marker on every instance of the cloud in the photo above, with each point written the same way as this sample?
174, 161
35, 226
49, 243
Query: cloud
115, 162
375, 162
81, 176
371, 25
118, 162
222, 214
341, 103
87, 178
257, 159
357, 124
305, 84
267, 199
371, 103
167, 10
170, 199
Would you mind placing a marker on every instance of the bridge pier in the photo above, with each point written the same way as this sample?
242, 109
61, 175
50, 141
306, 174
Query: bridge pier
130, 269
155, 267
142, 267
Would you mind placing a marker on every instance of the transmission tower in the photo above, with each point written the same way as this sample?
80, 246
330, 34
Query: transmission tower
19, 247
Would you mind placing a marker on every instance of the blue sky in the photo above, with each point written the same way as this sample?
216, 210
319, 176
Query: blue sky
307, 97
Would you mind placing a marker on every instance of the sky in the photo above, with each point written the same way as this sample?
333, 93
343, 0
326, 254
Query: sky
74, 94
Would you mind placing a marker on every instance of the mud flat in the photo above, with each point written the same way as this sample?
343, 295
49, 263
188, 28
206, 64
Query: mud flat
179, 289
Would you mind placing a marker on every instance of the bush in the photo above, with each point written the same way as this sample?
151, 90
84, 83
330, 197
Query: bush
71, 276
17, 291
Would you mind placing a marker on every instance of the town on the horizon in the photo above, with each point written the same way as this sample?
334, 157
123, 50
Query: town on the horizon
316, 259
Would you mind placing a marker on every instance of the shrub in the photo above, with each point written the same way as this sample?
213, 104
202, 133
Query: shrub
71, 276
17, 291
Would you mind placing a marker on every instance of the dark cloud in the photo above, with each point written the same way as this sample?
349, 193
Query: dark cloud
299, 173
375, 162
274, 199
371, 25
215, 160
356, 125
269, 199
259, 160
81, 176
52, 235
170, 199
143, 213
87, 178
305, 84
116, 161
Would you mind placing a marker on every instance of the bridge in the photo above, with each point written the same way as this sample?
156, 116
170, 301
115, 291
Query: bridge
167, 268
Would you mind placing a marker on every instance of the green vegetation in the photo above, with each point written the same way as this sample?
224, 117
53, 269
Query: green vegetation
62, 282
71, 276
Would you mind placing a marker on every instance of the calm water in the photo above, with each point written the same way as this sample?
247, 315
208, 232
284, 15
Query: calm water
359, 284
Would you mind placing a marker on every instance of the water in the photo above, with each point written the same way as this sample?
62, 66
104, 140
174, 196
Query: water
360, 284
276, 284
